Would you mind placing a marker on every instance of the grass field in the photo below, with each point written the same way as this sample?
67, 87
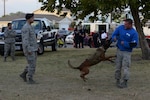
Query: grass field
56, 81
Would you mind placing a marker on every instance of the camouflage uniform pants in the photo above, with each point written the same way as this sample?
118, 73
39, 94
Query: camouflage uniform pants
123, 61
9, 47
31, 59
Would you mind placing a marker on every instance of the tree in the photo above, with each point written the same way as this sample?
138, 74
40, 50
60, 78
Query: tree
17, 13
81, 8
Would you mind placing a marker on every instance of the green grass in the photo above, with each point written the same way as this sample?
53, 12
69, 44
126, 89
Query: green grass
59, 82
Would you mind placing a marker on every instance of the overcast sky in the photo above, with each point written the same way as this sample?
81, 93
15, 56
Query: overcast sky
13, 6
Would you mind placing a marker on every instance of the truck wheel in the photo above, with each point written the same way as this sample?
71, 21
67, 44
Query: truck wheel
40, 48
54, 47
2, 52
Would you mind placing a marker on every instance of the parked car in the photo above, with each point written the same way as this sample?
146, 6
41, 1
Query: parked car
70, 38
44, 37
1, 33
3, 29
62, 33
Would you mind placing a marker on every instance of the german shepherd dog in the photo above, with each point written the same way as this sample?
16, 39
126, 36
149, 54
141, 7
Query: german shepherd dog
97, 57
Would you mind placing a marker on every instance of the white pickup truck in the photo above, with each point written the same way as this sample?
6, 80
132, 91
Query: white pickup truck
46, 35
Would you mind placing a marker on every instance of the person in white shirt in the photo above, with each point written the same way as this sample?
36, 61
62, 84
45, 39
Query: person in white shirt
103, 37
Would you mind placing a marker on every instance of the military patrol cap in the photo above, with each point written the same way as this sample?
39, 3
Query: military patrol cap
29, 15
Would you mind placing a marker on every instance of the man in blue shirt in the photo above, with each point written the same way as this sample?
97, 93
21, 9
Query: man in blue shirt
127, 39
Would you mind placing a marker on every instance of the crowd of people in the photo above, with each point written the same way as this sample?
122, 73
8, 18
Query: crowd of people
79, 35
93, 39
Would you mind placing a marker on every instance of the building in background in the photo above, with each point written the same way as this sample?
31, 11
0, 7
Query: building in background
64, 15
60, 21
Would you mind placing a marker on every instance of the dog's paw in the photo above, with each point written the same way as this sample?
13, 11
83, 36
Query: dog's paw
85, 79
112, 61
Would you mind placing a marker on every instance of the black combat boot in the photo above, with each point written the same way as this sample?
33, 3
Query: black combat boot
13, 58
31, 81
123, 84
4, 59
24, 76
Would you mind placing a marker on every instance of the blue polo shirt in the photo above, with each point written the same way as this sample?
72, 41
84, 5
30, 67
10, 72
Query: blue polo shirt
125, 35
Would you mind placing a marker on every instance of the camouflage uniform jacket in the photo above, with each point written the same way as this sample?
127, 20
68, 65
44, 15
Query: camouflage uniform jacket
9, 35
29, 42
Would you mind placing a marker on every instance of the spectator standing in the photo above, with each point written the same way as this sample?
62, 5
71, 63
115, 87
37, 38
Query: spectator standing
76, 37
81, 37
103, 37
9, 35
95, 39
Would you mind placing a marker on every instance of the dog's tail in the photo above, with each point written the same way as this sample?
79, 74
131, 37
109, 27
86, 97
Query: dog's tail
71, 65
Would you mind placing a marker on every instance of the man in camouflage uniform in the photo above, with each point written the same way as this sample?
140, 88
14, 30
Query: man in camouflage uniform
9, 35
30, 48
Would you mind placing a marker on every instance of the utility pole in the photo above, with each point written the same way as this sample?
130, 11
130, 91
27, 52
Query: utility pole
4, 8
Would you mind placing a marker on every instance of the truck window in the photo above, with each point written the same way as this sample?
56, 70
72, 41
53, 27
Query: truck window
18, 24
3, 29
52, 26
36, 25
43, 25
